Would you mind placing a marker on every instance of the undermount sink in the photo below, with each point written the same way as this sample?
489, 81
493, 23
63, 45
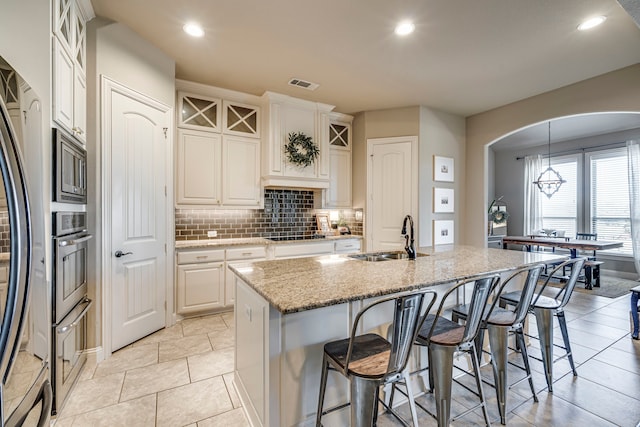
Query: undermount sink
383, 256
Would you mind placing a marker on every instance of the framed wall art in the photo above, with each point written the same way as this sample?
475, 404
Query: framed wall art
443, 232
442, 169
443, 201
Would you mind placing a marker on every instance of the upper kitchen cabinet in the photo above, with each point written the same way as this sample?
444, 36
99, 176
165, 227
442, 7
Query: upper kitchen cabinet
285, 115
338, 195
218, 149
69, 64
199, 112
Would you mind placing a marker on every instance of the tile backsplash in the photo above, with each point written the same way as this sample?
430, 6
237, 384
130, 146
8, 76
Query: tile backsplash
286, 213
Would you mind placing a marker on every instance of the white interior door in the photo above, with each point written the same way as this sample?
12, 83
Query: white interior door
390, 187
139, 147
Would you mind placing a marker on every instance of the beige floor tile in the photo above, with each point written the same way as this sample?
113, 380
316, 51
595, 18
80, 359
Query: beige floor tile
128, 358
166, 334
138, 412
183, 347
65, 422
88, 370
93, 394
192, 402
228, 318
203, 325
222, 339
155, 378
231, 389
211, 364
233, 418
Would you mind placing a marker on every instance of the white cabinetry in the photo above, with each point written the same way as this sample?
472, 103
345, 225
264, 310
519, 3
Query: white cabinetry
299, 250
199, 170
338, 195
236, 257
69, 65
218, 160
240, 171
200, 281
348, 246
285, 115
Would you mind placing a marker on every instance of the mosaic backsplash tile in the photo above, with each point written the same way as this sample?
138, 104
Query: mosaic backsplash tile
5, 233
286, 213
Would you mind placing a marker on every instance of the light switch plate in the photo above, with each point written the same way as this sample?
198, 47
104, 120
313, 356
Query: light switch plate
212, 233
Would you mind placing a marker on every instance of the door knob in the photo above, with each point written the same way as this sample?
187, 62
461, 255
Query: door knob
119, 254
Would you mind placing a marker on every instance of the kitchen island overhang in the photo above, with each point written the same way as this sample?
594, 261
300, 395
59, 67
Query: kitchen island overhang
287, 309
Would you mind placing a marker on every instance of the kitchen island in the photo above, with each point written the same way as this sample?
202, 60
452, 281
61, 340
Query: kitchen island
287, 309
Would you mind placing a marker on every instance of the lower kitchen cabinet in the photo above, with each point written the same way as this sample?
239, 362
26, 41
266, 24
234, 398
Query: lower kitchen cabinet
238, 256
200, 284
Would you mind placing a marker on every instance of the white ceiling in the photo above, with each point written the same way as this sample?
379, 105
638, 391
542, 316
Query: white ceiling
465, 57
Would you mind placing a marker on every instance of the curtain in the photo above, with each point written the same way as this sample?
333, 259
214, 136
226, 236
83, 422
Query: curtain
532, 206
633, 151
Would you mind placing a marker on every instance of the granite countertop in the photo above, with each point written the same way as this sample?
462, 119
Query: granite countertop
299, 284
252, 241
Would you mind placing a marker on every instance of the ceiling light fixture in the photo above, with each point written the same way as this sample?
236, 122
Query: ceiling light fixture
549, 181
193, 29
405, 28
592, 22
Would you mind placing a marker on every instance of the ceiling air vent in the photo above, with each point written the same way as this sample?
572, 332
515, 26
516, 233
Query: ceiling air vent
303, 84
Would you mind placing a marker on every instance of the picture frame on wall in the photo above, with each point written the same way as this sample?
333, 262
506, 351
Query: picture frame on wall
443, 200
443, 169
443, 232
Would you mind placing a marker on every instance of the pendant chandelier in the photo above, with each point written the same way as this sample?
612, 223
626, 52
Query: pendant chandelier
549, 181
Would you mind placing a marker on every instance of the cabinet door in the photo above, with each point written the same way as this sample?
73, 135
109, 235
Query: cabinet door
200, 287
62, 86
198, 112
79, 105
241, 171
63, 22
198, 168
339, 191
241, 119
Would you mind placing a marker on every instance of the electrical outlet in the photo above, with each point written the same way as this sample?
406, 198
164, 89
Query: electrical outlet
212, 233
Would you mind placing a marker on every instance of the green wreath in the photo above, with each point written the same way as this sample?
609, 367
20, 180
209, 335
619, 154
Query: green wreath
301, 150
499, 217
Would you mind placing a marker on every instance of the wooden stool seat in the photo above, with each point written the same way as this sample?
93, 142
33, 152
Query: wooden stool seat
369, 357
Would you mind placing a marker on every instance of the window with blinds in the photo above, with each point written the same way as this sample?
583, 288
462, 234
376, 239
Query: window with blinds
560, 212
609, 215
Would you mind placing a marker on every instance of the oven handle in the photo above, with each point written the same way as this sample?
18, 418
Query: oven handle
64, 329
70, 242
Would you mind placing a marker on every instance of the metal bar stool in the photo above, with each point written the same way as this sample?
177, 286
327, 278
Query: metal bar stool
500, 322
369, 361
445, 338
544, 308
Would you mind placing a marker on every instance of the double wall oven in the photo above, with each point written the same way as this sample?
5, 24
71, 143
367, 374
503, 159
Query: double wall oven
70, 302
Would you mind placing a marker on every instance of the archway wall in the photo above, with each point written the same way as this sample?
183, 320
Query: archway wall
617, 91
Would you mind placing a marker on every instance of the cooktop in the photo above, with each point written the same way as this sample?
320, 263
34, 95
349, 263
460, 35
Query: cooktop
303, 237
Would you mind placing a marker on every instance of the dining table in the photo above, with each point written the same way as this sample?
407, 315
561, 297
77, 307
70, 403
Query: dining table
573, 245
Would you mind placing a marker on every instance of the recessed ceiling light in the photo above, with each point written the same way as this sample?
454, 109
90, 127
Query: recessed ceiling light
404, 28
592, 22
193, 29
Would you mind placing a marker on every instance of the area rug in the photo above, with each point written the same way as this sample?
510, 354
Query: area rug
610, 287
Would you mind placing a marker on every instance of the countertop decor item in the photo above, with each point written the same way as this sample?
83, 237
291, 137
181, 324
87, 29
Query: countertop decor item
301, 150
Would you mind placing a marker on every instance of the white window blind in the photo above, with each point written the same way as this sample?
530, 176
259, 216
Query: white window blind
609, 210
560, 212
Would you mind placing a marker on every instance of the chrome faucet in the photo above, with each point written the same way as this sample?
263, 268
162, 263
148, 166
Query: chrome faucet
408, 238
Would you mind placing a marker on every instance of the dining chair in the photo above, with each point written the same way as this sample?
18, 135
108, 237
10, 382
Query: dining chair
444, 339
370, 361
500, 322
544, 308
591, 265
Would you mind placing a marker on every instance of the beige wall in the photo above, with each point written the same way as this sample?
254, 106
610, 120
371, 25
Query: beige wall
114, 51
438, 133
615, 91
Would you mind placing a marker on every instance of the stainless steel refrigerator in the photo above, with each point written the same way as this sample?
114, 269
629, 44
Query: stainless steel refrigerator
25, 390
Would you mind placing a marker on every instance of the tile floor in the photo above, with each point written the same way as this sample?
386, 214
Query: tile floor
182, 376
